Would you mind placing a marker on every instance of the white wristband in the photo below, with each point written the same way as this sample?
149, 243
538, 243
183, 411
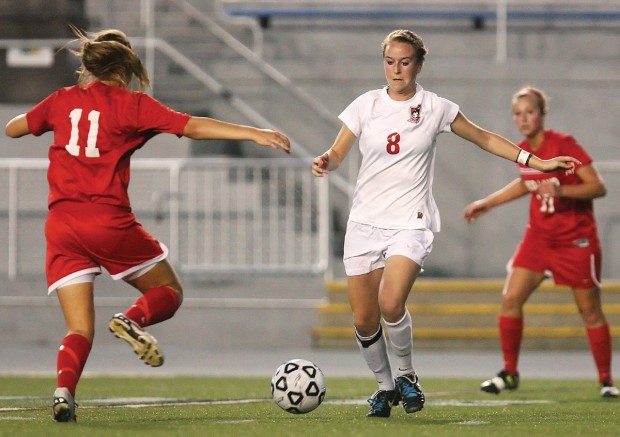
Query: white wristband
523, 157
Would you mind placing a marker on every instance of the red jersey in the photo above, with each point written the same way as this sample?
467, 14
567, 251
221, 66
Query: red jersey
560, 219
96, 130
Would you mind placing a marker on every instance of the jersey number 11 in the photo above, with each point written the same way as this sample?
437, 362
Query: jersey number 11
73, 147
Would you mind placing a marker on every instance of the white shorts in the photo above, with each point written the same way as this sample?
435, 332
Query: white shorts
366, 248
89, 276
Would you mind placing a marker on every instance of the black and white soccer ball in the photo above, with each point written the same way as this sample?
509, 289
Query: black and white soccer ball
298, 386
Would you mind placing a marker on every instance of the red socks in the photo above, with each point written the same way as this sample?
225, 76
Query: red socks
600, 345
154, 306
510, 334
72, 356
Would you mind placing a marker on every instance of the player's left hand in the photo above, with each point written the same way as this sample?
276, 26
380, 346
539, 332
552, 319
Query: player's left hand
567, 163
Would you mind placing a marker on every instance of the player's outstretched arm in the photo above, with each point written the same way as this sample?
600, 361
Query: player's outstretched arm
331, 159
17, 127
511, 191
500, 146
204, 128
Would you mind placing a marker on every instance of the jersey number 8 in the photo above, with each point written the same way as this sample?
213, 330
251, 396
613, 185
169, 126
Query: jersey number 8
393, 143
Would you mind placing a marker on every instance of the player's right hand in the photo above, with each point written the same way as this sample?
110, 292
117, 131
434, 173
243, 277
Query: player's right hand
273, 139
320, 164
475, 210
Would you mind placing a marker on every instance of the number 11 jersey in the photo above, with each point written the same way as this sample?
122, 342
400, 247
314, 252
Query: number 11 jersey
96, 130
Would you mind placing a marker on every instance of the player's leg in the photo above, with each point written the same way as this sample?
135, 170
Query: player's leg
363, 298
579, 267
588, 302
519, 285
76, 302
162, 294
398, 278
70, 274
363, 262
406, 252
140, 260
161, 297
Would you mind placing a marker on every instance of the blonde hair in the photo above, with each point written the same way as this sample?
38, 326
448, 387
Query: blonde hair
537, 94
107, 55
407, 37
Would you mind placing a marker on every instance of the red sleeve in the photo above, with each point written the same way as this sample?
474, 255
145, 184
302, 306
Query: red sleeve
155, 117
572, 148
39, 116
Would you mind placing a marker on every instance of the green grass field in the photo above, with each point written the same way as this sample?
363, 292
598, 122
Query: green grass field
217, 406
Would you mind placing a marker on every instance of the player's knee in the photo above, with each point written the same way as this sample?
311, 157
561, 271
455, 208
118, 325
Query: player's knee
87, 332
173, 290
592, 316
511, 304
392, 311
365, 324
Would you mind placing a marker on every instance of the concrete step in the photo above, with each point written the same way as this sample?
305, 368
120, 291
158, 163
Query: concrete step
472, 284
463, 313
534, 338
473, 309
475, 320
474, 291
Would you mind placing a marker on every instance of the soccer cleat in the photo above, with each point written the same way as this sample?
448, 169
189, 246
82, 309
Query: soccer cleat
63, 407
609, 390
381, 403
143, 343
410, 393
503, 380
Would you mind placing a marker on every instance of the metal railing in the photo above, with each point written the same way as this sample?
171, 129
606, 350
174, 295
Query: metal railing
344, 184
217, 215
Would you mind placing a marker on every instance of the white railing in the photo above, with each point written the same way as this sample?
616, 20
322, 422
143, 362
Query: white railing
217, 215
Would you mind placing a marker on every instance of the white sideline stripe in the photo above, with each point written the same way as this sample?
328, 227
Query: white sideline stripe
492, 403
110, 403
169, 402
470, 422
451, 402
188, 302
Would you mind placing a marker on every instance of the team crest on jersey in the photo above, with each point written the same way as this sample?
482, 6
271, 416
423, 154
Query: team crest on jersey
414, 112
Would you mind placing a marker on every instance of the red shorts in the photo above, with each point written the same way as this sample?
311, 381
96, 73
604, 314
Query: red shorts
82, 238
575, 264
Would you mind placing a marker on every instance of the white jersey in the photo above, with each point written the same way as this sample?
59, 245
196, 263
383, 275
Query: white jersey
397, 144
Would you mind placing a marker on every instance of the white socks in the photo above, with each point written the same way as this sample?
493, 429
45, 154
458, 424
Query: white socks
374, 351
402, 343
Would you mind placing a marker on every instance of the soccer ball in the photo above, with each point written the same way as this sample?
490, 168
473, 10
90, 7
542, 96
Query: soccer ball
298, 386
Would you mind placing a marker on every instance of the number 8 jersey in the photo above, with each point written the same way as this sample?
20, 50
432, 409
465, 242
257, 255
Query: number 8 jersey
96, 130
397, 143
